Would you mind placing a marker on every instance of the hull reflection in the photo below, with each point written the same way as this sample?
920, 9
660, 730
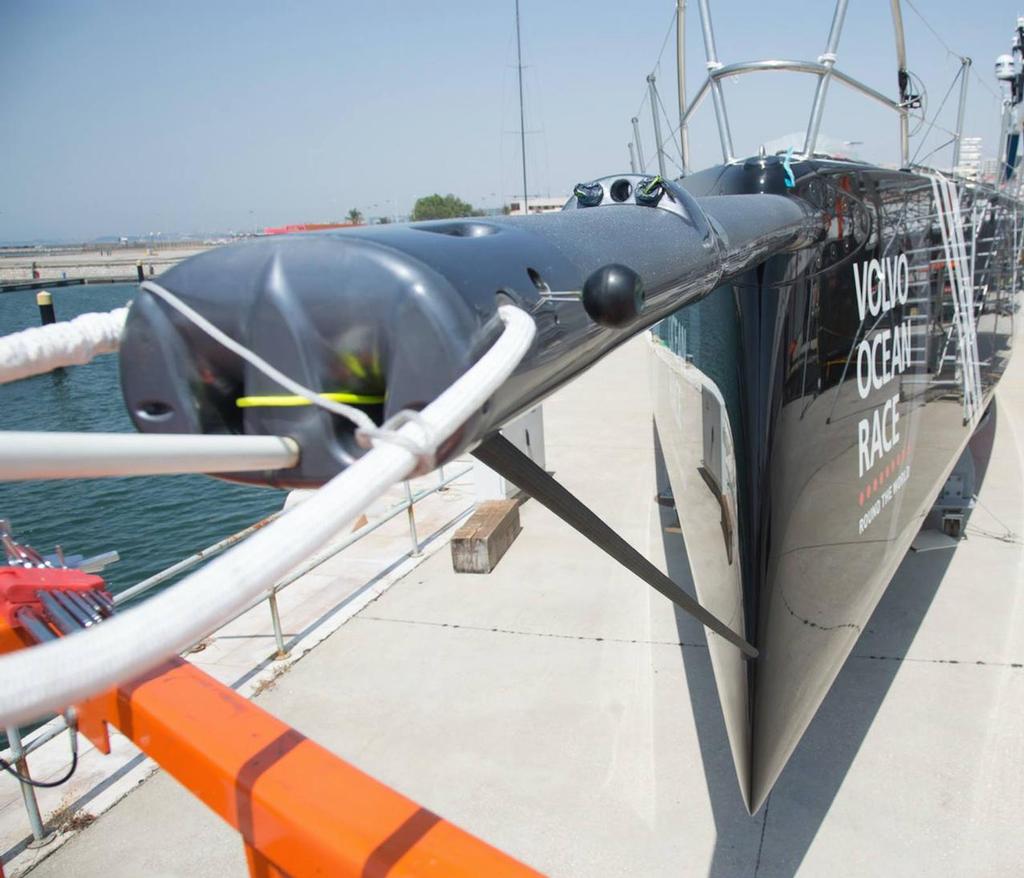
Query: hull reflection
811, 411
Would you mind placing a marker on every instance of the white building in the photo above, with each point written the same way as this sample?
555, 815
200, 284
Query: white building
970, 159
536, 204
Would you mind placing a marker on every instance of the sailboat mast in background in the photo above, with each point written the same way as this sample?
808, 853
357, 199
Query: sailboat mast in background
522, 115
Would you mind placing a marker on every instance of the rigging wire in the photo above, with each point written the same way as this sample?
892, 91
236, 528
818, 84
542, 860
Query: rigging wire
643, 101
672, 137
935, 117
664, 42
950, 50
935, 33
655, 69
985, 85
932, 152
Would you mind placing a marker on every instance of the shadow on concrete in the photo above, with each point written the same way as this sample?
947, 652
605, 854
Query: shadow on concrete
773, 842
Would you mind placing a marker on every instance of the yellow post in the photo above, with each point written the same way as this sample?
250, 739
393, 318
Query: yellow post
46, 313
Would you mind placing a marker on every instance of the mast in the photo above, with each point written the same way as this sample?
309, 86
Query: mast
829, 61
632, 158
522, 114
711, 52
684, 137
965, 70
639, 145
657, 125
903, 80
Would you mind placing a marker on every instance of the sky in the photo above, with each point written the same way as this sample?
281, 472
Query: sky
125, 118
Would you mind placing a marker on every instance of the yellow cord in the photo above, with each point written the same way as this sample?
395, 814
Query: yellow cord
249, 402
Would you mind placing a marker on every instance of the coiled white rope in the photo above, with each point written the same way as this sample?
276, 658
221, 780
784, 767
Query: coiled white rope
49, 677
68, 343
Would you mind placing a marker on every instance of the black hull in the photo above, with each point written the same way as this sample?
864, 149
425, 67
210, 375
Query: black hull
795, 524
833, 372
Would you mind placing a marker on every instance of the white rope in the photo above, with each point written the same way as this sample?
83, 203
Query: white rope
65, 671
68, 343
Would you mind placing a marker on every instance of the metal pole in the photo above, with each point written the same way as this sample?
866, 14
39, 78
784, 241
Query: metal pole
190, 561
1004, 135
44, 301
684, 136
965, 75
657, 125
632, 158
724, 134
275, 619
40, 836
901, 66
29, 455
639, 145
829, 60
522, 113
412, 523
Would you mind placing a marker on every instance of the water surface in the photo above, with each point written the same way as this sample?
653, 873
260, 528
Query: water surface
152, 521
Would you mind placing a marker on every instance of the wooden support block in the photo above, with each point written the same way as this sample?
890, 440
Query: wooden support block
478, 545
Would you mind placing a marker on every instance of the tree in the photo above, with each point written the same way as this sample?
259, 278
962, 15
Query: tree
441, 207
355, 216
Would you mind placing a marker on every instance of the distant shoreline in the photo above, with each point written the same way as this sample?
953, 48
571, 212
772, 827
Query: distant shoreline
116, 264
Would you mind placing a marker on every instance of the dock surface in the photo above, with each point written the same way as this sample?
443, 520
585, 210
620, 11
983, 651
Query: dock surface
560, 710
75, 266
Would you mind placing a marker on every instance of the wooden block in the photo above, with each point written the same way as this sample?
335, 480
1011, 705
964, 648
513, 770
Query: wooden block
478, 545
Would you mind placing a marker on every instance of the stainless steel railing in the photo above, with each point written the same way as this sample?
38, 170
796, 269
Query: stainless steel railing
18, 750
824, 69
778, 65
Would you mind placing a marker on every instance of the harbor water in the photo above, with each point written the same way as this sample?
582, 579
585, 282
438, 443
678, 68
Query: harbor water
151, 521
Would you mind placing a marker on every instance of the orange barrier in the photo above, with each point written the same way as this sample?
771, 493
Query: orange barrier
301, 810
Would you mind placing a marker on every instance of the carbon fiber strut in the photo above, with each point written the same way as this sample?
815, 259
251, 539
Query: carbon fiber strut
507, 460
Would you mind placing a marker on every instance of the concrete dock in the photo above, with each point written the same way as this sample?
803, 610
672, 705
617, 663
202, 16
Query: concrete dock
71, 266
559, 710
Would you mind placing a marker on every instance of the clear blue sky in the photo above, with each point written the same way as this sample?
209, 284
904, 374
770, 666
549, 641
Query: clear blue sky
128, 117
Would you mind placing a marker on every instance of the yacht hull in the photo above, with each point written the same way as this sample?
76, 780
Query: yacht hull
810, 412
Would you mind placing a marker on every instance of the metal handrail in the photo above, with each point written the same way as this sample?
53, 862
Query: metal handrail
824, 69
741, 68
189, 562
57, 725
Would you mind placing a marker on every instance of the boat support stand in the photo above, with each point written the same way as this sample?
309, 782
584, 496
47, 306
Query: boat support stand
507, 460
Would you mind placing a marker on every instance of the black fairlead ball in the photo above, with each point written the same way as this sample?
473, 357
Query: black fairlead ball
613, 295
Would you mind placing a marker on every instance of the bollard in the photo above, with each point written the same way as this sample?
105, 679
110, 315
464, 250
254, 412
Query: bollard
139, 271
46, 313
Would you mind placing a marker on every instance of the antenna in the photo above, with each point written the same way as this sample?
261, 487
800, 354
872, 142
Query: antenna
522, 115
